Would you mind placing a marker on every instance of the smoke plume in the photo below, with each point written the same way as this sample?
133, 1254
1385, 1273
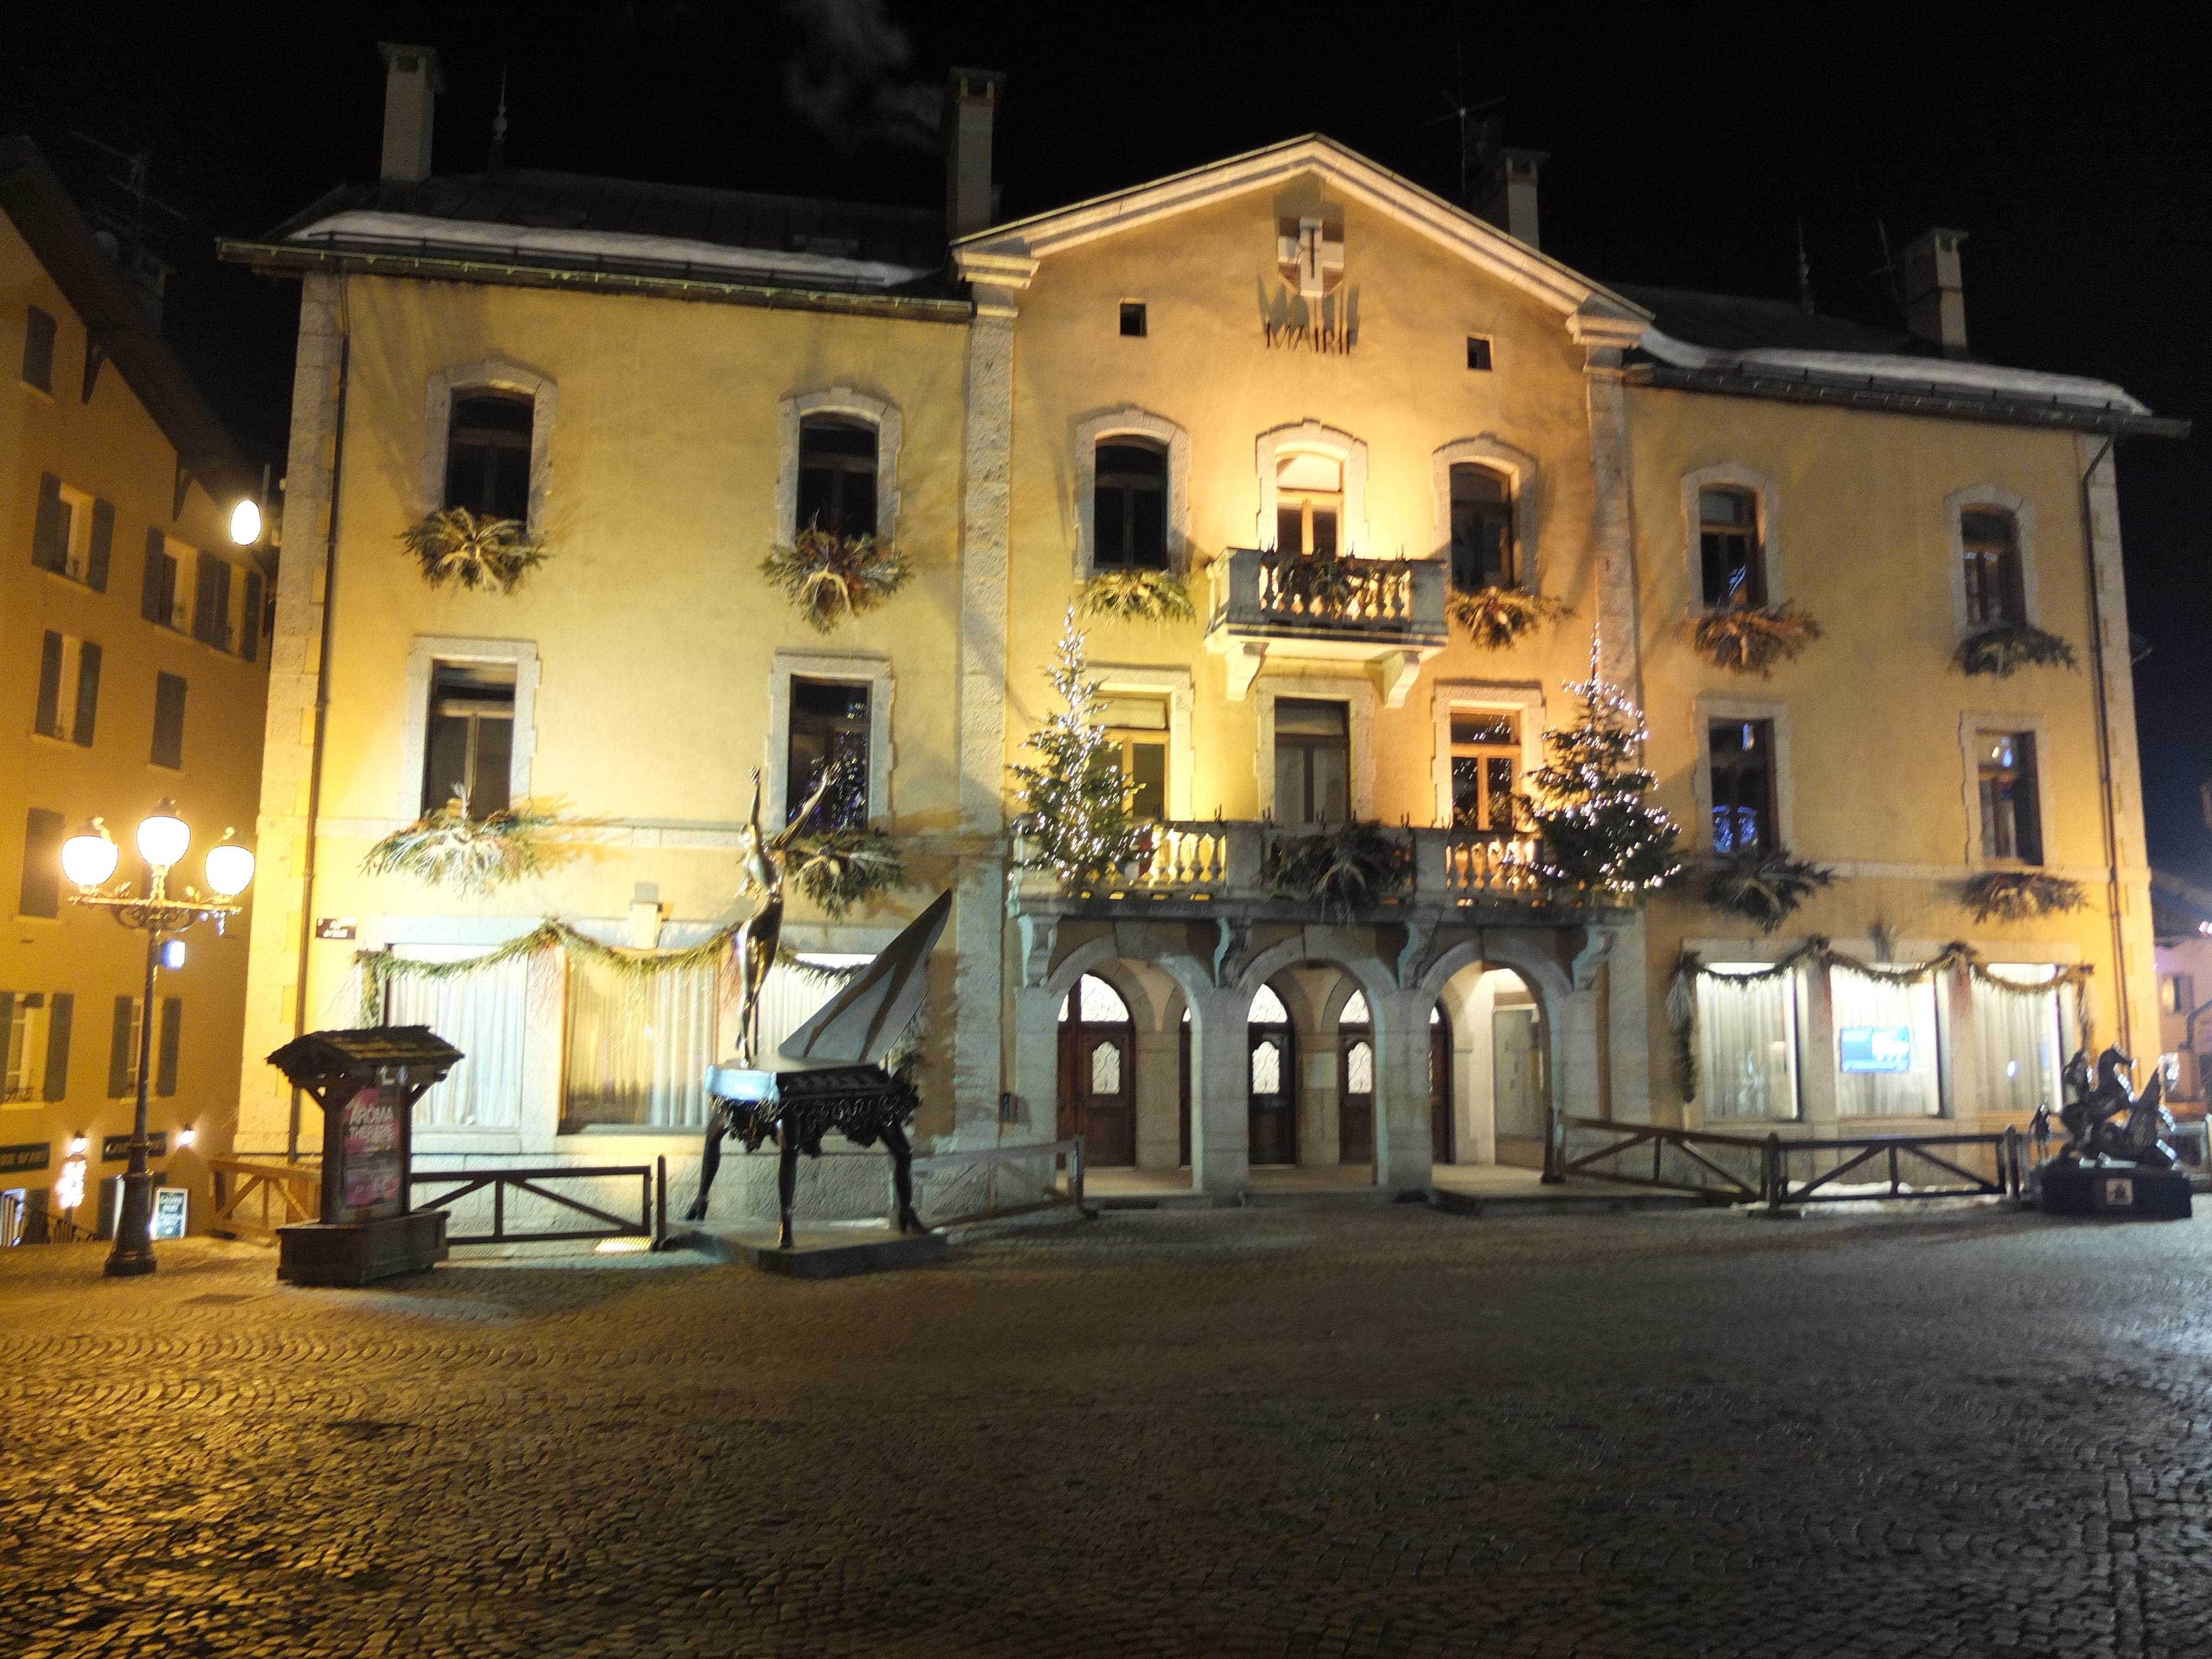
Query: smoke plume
848, 79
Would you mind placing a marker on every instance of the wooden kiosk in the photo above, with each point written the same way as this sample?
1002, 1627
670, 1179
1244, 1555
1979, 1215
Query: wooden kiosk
367, 1082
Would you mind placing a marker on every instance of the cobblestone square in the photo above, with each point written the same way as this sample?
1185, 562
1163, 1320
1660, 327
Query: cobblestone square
1298, 1432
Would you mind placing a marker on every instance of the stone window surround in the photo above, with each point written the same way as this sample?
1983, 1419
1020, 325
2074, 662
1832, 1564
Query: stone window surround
1738, 475
423, 657
1180, 691
1972, 724
1710, 709
891, 432
1955, 506
1520, 469
1358, 692
1525, 699
854, 668
1131, 422
493, 374
1312, 438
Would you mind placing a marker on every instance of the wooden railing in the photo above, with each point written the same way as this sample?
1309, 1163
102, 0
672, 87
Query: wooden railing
1263, 589
295, 1191
652, 1200
1782, 1172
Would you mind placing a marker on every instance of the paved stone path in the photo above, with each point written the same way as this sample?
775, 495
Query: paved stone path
1376, 1433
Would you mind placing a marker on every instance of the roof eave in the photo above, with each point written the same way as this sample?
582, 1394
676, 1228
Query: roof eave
1932, 402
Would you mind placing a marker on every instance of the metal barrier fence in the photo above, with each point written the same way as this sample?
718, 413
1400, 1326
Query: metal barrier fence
1781, 1173
986, 1177
652, 1202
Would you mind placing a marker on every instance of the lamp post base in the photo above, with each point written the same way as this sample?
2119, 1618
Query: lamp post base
133, 1254
134, 1265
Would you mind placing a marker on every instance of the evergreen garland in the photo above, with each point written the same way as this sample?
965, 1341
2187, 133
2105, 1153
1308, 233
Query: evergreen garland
457, 545
1497, 617
449, 848
1152, 596
2001, 650
830, 578
841, 867
1764, 887
1597, 837
1074, 801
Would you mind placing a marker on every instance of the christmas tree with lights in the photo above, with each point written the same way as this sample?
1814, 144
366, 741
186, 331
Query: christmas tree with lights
1598, 836
1074, 801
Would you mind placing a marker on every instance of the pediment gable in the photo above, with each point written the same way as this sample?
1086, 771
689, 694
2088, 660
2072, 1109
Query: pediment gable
1007, 256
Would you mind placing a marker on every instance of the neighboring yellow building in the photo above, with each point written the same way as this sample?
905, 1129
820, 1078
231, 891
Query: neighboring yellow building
135, 671
1240, 376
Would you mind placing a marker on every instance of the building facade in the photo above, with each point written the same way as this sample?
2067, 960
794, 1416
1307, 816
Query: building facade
133, 669
1337, 409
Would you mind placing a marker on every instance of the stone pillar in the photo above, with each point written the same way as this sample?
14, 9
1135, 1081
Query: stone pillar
979, 910
1159, 1060
284, 824
1220, 1097
1612, 537
1404, 1155
1034, 1073
1628, 1025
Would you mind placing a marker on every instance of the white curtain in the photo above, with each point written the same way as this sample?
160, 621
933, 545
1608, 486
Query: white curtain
1746, 1045
485, 1015
638, 1049
1870, 1015
2020, 1042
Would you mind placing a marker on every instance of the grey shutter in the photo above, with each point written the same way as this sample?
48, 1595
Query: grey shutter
103, 544
205, 628
249, 618
173, 1031
46, 722
88, 695
42, 863
57, 1045
49, 549
7, 1037
160, 585
118, 1051
168, 721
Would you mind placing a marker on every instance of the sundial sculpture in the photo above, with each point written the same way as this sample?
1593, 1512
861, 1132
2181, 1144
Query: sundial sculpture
829, 1074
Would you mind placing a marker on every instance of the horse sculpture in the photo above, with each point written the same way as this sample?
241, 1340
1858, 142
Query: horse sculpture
2109, 1123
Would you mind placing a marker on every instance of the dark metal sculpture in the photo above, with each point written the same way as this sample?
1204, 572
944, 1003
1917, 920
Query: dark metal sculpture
2107, 1123
831, 1077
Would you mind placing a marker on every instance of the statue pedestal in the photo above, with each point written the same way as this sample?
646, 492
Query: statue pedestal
2117, 1190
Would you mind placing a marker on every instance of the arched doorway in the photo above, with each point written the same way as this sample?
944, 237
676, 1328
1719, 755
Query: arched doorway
1355, 1082
1097, 1073
1272, 1075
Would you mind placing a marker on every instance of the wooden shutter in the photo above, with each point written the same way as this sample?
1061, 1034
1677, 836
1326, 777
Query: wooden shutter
103, 544
211, 602
58, 1042
47, 721
118, 1050
88, 694
42, 865
49, 549
168, 721
173, 1031
161, 584
249, 618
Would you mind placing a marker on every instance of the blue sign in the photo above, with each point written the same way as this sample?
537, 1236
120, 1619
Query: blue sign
1873, 1048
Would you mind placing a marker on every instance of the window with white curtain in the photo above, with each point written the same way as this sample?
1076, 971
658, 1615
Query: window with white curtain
638, 1049
1886, 1053
2020, 1040
1747, 1042
485, 1014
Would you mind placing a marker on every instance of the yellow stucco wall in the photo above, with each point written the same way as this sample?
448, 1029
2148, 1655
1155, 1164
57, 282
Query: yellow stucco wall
110, 448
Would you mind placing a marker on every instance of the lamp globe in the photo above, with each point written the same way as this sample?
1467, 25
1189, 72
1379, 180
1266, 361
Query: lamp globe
88, 856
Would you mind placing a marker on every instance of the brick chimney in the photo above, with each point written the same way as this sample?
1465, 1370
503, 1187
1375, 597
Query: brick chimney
971, 102
413, 81
1935, 295
1505, 192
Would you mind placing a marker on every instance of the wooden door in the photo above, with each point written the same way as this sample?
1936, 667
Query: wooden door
1441, 1115
1097, 1092
1271, 1070
1516, 1096
1183, 1070
1355, 1095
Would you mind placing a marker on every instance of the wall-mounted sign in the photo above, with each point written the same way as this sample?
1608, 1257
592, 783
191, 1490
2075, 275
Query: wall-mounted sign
115, 1148
340, 927
172, 1211
30, 1155
1873, 1048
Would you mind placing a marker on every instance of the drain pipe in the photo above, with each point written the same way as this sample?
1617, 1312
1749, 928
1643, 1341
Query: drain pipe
2108, 816
322, 710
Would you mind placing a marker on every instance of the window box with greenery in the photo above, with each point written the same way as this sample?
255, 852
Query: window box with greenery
1752, 639
2020, 896
1765, 887
1149, 596
1497, 619
476, 550
831, 577
1341, 870
448, 847
2002, 650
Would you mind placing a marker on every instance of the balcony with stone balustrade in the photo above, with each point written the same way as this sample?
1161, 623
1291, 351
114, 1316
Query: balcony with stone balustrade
1384, 615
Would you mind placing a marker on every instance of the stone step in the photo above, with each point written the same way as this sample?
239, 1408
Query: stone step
1567, 1201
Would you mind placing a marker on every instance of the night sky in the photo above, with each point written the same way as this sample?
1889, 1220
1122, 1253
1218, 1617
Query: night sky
1686, 144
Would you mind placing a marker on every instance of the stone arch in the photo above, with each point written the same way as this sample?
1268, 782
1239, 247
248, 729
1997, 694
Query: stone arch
1537, 968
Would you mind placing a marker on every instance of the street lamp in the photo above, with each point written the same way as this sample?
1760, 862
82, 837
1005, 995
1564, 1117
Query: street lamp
88, 858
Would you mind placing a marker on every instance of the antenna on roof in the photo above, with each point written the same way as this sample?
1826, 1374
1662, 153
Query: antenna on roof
499, 128
1804, 273
1479, 140
1889, 269
128, 235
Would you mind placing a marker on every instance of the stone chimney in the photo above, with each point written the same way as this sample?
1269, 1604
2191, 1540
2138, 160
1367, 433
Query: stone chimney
413, 81
971, 101
1935, 295
1505, 192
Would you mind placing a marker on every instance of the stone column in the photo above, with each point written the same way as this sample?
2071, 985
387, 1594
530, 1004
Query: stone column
1603, 338
1220, 1086
1628, 1025
1034, 1076
284, 824
1404, 1156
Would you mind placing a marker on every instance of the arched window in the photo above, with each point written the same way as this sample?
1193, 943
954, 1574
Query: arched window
1990, 538
1729, 548
1309, 503
1355, 1011
487, 454
1482, 552
1094, 1002
1130, 506
836, 475
1268, 1008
